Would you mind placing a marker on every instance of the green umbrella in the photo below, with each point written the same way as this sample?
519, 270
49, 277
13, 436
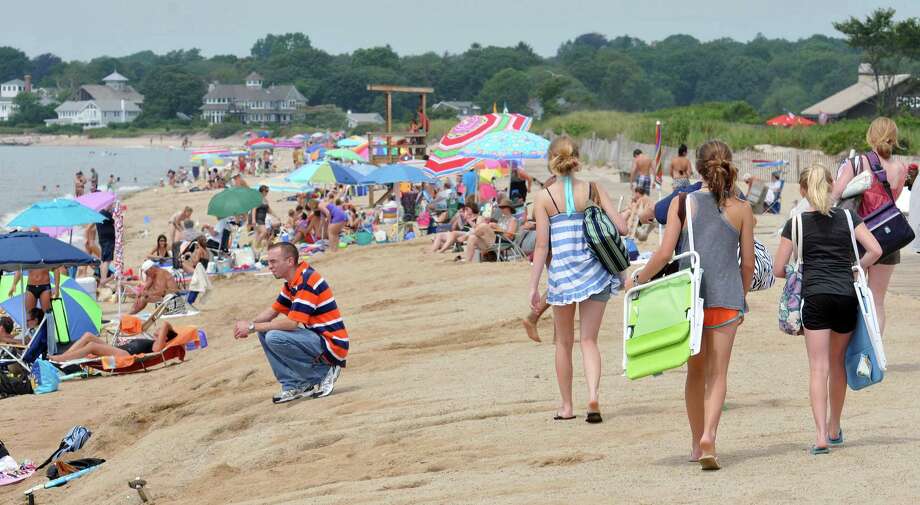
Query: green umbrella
83, 313
344, 154
234, 201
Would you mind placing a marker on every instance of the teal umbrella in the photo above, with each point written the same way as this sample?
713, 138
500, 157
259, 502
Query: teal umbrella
234, 201
507, 145
58, 212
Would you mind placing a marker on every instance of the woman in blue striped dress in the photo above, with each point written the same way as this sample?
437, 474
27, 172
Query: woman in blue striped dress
575, 276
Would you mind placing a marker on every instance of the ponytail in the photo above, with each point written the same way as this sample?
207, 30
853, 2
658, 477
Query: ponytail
817, 182
714, 163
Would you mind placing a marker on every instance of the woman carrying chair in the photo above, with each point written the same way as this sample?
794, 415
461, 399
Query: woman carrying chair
721, 222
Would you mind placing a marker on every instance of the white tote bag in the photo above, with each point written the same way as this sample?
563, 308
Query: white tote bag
867, 302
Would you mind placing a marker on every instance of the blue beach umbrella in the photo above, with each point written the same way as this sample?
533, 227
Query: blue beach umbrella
507, 145
24, 250
58, 212
398, 172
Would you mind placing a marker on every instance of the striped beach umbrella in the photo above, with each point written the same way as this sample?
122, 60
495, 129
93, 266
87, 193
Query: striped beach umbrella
445, 158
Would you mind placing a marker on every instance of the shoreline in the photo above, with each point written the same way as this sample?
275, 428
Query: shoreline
168, 141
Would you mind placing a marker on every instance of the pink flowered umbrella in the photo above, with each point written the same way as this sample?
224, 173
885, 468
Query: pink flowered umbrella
118, 215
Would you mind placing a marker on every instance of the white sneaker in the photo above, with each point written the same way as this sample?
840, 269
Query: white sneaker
289, 395
325, 388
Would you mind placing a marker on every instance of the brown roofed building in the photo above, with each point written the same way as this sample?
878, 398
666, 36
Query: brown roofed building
901, 91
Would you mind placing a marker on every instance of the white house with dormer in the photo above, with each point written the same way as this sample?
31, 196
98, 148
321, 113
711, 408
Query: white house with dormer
97, 105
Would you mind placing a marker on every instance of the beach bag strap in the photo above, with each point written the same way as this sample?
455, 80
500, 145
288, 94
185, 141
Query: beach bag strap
797, 240
685, 204
880, 173
853, 240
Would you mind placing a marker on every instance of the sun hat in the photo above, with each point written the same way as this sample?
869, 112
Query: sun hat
505, 202
146, 266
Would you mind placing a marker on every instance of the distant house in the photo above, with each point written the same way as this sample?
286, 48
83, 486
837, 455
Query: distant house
251, 102
98, 105
461, 108
355, 119
10, 89
859, 100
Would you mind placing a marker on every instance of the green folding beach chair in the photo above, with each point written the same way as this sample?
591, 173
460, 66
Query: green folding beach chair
663, 318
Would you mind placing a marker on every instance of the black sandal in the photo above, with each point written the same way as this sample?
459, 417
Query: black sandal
594, 418
557, 417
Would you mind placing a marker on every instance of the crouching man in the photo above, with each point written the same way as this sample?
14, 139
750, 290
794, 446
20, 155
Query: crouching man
306, 348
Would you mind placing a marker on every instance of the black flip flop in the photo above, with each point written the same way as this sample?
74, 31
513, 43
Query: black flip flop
594, 418
557, 417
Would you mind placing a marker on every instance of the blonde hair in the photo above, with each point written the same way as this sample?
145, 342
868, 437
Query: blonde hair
714, 163
882, 136
816, 182
563, 156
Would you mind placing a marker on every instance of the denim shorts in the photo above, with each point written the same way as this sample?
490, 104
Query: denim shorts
601, 296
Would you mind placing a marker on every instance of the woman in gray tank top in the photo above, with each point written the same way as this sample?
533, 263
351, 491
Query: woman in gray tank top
721, 223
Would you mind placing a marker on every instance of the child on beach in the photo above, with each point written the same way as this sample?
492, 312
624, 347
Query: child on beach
577, 280
829, 306
721, 223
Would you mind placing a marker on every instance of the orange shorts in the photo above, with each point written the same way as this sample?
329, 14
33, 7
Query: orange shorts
715, 317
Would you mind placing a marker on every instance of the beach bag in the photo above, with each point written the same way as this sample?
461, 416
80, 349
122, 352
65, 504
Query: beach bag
45, 378
851, 198
603, 238
13, 385
865, 359
884, 220
73, 441
790, 301
763, 267
663, 319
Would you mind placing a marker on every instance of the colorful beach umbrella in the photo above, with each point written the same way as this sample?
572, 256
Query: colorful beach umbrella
58, 212
445, 158
507, 145
289, 144
234, 201
325, 172
398, 172
260, 143
83, 313
350, 142
344, 154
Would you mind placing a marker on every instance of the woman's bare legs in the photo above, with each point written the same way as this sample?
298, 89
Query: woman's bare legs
719, 343
694, 395
818, 344
335, 229
879, 277
837, 380
88, 344
591, 316
564, 319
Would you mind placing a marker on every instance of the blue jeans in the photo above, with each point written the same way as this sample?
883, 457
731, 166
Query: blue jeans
295, 357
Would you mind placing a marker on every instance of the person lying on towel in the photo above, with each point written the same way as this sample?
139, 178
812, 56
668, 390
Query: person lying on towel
90, 344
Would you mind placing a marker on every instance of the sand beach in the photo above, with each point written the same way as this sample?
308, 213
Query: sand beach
445, 401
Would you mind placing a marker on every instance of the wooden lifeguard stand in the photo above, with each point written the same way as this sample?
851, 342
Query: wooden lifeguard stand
416, 141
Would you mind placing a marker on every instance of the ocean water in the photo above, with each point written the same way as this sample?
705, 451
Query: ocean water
25, 169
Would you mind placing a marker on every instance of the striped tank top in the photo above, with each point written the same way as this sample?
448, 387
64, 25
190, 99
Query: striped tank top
574, 273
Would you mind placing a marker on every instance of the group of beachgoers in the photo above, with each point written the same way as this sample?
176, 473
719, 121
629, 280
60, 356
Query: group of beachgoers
723, 230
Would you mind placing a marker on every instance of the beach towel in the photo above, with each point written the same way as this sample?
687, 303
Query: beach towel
22, 473
73, 441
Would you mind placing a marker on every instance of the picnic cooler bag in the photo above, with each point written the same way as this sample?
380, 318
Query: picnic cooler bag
603, 238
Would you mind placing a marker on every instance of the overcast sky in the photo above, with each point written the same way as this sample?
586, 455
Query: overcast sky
88, 28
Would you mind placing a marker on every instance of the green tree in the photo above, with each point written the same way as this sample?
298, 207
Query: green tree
13, 63
271, 44
376, 57
43, 65
169, 90
29, 111
507, 87
877, 37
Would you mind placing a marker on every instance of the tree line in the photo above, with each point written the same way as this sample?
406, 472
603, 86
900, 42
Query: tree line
590, 71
